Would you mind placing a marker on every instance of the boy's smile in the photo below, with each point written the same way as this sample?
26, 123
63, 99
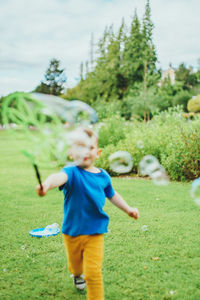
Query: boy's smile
90, 157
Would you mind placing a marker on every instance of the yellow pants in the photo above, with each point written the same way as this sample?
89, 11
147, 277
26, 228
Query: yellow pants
85, 256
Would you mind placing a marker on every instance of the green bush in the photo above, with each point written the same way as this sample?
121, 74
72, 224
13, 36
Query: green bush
107, 109
171, 138
182, 155
194, 104
112, 131
182, 99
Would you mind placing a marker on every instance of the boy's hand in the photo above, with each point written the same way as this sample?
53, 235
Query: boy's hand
41, 192
133, 213
53, 181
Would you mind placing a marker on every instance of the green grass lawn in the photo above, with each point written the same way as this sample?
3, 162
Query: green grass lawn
160, 263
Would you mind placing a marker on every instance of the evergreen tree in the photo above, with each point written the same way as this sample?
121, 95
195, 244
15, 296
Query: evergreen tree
109, 66
148, 51
132, 59
123, 60
86, 68
54, 79
102, 48
81, 72
92, 52
121, 79
104, 83
42, 88
148, 48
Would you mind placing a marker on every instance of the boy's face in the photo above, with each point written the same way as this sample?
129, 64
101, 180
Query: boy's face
85, 153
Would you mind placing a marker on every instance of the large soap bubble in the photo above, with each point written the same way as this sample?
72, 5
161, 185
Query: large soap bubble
52, 118
79, 112
160, 177
121, 162
140, 144
37, 109
195, 191
150, 166
24, 111
73, 112
49, 124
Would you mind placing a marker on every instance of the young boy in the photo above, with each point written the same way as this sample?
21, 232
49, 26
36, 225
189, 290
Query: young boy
85, 188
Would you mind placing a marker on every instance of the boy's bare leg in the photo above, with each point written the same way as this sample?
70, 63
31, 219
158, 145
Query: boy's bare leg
92, 266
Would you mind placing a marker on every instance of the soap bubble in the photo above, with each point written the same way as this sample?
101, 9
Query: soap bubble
52, 226
140, 144
51, 104
79, 112
144, 228
47, 111
54, 121
121, 162
150, 166
23, 110
72, 112
160, 177
195, 191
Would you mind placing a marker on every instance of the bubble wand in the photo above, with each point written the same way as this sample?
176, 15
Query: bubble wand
32, 159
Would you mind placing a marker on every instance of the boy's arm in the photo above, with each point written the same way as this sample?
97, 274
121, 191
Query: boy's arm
121, 203
53, 181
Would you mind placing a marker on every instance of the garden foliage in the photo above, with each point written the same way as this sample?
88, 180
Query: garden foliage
123, 69
174, 140
123, 58
194, 104
54, 79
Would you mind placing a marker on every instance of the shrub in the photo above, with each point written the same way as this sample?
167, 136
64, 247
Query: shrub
112, 131
174, 140
182, 155
182, 99
107, 109
194, 104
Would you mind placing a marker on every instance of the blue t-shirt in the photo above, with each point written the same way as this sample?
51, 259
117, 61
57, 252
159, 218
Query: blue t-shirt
85, 194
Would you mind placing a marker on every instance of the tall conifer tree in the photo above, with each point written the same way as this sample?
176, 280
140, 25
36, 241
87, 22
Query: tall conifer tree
54, 79
133, 61
149, 52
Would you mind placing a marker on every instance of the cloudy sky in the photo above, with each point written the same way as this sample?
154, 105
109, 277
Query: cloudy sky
34, 31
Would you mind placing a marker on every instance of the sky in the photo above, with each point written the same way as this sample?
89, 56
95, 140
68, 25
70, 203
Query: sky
35, 31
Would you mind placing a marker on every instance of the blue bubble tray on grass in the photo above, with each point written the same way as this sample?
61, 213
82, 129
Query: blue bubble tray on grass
44, 232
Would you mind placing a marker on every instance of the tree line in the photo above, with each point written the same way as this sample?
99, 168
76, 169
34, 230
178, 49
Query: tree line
124, 59
124, 69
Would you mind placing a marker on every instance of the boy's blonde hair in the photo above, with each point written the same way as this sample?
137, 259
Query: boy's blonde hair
91, 134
